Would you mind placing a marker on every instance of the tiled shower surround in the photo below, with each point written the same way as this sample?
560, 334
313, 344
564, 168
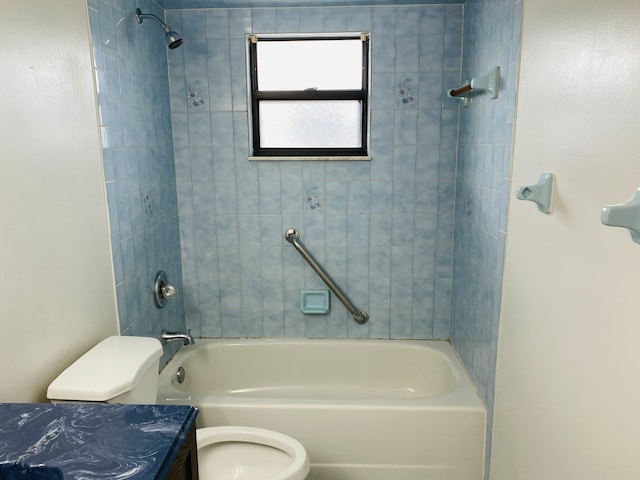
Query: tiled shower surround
130, 66
383, 229
492, 37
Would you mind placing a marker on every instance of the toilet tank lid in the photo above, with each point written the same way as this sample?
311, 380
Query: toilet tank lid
111, 368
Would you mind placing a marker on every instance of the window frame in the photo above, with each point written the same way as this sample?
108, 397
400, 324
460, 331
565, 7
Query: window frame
312, 153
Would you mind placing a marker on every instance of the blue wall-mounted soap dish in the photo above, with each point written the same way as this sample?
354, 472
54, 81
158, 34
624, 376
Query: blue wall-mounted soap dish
314, 302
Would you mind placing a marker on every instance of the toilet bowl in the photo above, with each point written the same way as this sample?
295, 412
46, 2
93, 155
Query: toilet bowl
248, 453
128, 369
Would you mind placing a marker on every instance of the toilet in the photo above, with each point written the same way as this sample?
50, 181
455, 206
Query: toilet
223, 454
123, 369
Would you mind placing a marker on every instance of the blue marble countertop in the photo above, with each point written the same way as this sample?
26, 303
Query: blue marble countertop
92, 441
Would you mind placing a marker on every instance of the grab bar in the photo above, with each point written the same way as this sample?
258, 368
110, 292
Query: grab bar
293, 236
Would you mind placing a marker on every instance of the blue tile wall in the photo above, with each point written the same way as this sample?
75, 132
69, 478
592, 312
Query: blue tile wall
383, 229
491, 37
135, 121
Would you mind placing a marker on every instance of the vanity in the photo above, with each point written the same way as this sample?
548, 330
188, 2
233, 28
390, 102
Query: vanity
98, 441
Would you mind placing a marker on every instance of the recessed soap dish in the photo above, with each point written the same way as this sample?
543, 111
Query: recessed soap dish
314, 302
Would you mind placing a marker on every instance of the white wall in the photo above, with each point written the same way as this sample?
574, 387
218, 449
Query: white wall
568, 376
56, 279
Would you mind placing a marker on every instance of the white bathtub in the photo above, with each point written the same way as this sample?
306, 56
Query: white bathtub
363, 409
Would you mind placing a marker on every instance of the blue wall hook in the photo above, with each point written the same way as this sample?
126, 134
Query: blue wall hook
625, 215
539, 193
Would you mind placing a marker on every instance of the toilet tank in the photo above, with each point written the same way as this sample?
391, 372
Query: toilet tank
119, 369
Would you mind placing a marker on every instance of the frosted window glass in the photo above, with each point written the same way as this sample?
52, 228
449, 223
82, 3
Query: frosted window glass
300, 65
311, 124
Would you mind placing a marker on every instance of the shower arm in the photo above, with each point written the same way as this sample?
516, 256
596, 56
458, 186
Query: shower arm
293, 237
141, 16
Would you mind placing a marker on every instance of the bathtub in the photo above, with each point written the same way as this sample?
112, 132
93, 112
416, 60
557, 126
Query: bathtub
363, 409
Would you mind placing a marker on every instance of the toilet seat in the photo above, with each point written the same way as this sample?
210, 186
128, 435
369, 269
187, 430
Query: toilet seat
248, 453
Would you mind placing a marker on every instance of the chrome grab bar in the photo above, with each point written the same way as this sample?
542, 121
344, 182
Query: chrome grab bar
293, 236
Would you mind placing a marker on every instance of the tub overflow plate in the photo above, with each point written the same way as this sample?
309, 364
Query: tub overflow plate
180, 374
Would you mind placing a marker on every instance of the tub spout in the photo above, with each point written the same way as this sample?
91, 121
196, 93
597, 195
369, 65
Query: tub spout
185, 338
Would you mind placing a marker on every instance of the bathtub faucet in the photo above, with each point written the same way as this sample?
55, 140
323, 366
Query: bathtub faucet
186, 338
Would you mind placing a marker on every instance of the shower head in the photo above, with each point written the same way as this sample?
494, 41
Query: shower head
174, 40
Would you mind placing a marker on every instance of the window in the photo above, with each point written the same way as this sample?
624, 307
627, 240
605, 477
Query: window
309, 96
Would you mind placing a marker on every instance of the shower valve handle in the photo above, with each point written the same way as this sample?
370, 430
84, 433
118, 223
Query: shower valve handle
163, 290
169, 291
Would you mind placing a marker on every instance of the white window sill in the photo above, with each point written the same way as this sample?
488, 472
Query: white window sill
323, 158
